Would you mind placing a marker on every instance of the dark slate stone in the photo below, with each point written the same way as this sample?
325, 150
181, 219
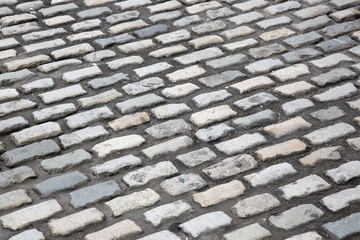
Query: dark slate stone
151, 31
29, 152
333, 76
255, 120
341, 28
300, 55
119, 39
344, 227
60, 183
303, 39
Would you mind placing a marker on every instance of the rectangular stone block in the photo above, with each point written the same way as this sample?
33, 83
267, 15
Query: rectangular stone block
281, 149
241, 143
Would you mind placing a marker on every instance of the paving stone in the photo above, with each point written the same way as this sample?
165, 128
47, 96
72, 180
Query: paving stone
300, 55
4, 11
312, 24
166, 6
240, 44
13, 124
303, 187
179, 90
354, 143
303, 39
205, 41
265, 24
91, 3
347, 14
287, 127
264, 66
311, 12
160, 214
222, 78
84, 118
107, 81
59, 20
121, 62
282, 7
227, 61
212, 115
29, 152
163, 235
100, 98
26, 216
8, 43
60, 183
246, 18
255, 205
333, 76
344, 172
117, 144
55, 10
32, 234
124, 5
129, 121
85, 35
283, 149
219, 13
206, 222
343, 4
75, 222
331, 60
8, 93
213, 133
296, 216
185, 21
328, 114
99, 55
250, 232
118, 39
294, 89
36, 133
123, 229
68, 160
115, 165
256, 119
8, 54
322, 154
342, 199
309, 236
95, 193
137, 103
165, 16
42, 34
81, 74
340, 28
168, 128
252, 84
54, 112
336, 93
209, 27
270, 174
16, 175
122, 17
219, 193
332, 132
13, 199
151, 69
230, 167
355, 50
168, 51
197, 157
336, 44
15, 106
201, 7
237, 32
26, 62
94, 12
166, 147
290, 73
136, 200
44, 45
205, 99
20, 28
170, 110
49, 67
344, 227
186, 73
276, 34
199, 56
250, 5
72, 51
266, 51
255, 100
83, 135
151, 31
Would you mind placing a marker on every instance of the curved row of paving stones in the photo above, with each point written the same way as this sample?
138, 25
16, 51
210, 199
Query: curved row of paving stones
180, 119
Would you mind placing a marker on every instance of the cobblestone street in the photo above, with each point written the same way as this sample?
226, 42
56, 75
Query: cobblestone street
179, 119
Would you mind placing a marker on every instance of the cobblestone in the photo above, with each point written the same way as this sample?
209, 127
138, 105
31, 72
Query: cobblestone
296, 106
287, 127
125, 228
16, 175
13, 124
250, 232
69, 160
14, 199
222, 78
333, 76
342, 199
82, 119
115, 165
139, 102
343, 227
183, 183
166, 147
312, 24
320, 155
255, 100
129, 121
309, 235
197, 157
281, 149
186, 73
300, 55
214, 132
170, 110
344, 172
199, 56
246, 18
336, 93
31, 234
161, 236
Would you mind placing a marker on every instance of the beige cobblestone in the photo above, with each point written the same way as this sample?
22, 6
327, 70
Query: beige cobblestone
281, 149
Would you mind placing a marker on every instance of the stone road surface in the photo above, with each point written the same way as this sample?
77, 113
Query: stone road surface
180, 119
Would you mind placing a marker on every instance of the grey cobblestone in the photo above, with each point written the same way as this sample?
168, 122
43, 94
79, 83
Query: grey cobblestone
250, 232
16, 175
320, 155
115, 165
344, 227
183, 183
336, 93
32, 234
139, 102
300, 55
197, 157
312, 24
222, 78
13, 124
169, 146
255, 100
82, 119
107, 81
344, 172
213, 133
83, 135
328, 114
246, 18
342, 199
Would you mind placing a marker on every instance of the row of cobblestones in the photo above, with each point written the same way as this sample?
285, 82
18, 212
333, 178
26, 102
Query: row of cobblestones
179, 119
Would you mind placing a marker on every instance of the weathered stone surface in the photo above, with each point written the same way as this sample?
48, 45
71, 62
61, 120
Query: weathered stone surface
250, 232
306, 236
230, 167
206, 222
62, 93
145, 198
199, 56
296, 106
169, 128
59, 183
128, 121
163, 235
344, 172
92, 194
219, 193
255, 205
256, 119
222, 78
143, 175
170, 110
134, 104
169, 146
13, 124
328, 114
123, 229
255, 100
287, 127
296, 216
329, 153
344, 227
197, 157
183, 183
186, 73
336, 93
100, 98
15, 106
264, 66
115, 165
145, 85
117, 144
26, 216
300, 55
14, 199
341, 199
107, 81
281, 149
241, 143
32, 234
212, 115
214, 132
16, 175
160, 214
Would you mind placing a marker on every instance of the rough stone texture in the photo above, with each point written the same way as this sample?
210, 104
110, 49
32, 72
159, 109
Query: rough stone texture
287, 127
344, 227
206, 222
14, 199
82, 119
296, 216
281, 149
241, 143
329, 153
83, 135
256, 119
115, 165
342, 199
197, 157
214, 132
123, 229
295, 106
32, 234
306, 236
134, 104
328, 114
129, 121
169, 128
230, 167
182, 184
163, 235
250, 232
212, 115
344, 172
